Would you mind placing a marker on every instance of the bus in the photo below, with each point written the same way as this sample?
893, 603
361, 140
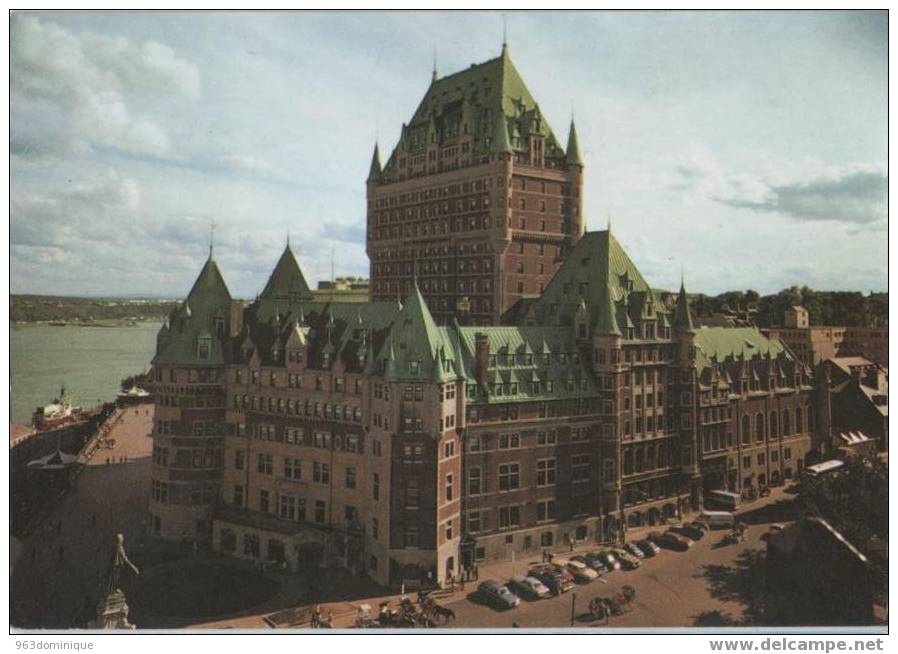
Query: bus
717, 519
722, 500
823, 469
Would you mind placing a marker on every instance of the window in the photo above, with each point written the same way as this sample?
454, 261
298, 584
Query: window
350, 477
474, 481
509, 516
238, 495
375, 528
509, 441
265, 465
321, 473
287, 507
545, 510
545, 472
239, 459
476, 521
449, 449
449, 487
410, 537
292, 468
546, 437
319, 511
264, 497
746, 462
375, 489
762, 459
580, 467
448, 530
509, 476
412, 494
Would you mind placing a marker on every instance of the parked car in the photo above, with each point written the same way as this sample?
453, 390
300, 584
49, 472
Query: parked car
497, 595
670, 540
556, 580
607, 557
693, 533
648, 547
594, 562
627, 560
698, 524
633, 549
529, 587
582, 572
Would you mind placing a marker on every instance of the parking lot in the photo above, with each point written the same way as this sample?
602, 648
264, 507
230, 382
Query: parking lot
711, 584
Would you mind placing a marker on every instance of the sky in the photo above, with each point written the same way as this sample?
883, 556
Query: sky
743, 149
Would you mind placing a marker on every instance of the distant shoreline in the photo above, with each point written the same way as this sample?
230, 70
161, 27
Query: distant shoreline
101, 324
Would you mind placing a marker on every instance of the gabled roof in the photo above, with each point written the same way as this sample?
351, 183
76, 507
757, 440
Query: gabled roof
720, 343
416, 349
287, 281
597, 270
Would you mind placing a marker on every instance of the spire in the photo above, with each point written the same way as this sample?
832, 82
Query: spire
504, 35
500, 141
374, 173
433, 77
573, 148
286, 282
682, 320
211, 238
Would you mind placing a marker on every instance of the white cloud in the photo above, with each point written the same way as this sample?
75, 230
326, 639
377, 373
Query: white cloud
73, 91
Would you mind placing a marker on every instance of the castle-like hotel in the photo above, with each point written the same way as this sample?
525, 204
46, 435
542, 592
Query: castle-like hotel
514, 384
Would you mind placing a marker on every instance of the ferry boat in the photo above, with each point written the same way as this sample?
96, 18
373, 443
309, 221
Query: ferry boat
58, 413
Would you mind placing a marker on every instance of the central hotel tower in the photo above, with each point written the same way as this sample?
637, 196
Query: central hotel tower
478, 199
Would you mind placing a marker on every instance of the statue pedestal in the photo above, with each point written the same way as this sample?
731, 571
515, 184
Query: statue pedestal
112, 612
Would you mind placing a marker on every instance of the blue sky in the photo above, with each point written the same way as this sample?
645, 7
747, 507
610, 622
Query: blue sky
748, 149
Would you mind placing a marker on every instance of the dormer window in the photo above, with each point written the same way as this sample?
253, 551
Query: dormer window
219, 326
414, 367
204, 347
325, 359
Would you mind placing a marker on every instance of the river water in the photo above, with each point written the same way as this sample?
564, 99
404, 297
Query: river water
90, 361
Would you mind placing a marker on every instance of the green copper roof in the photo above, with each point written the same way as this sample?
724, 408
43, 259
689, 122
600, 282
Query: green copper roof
606, 320
470, 102
596, 267
573, 148
682, 319
530, 364
208, 302
374, 172
416, 348
500, 141
287, 281
719, 343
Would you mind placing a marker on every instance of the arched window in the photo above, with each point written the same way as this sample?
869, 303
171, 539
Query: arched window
759, 427
628, 462
774, 426
746, 430
798, 421
787, 427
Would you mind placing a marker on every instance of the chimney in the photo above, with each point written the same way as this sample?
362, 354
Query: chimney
236, 322
481, 356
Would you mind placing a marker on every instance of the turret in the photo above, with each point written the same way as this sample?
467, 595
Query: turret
573, 148
375, 172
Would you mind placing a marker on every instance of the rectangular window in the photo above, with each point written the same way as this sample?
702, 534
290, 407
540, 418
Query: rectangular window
474, 481
410, 537
580, 467
545, 510
375, 489
475, 521
321, 473
287, 507
350, 477
509, 476
264, 497
265, 464
412, 494
509, 516
239, 459
319, 511
545, 472
449, 489
238, 495
292, 468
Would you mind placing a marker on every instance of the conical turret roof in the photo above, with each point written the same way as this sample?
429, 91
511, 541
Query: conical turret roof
682, 320
572, 157
287, 281
375, 171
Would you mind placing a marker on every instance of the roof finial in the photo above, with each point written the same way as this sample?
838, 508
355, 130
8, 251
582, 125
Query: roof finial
609, 221
288, 238
504, 33
211, 238
434, 75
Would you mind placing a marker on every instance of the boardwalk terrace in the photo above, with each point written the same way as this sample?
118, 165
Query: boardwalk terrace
368, 436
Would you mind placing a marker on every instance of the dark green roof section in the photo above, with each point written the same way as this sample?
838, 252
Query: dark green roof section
529, 364
374, 172
606, 320
500, 141
720, 343
416, 349
573, 157
287, 283
596, 267
682, 319
477, 97
193, 327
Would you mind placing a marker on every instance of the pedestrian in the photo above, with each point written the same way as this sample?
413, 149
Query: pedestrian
476, 572
316, 616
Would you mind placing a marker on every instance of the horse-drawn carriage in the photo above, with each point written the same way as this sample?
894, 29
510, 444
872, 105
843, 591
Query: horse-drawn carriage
606, 607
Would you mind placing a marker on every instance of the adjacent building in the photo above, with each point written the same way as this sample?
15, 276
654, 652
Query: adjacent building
859, 402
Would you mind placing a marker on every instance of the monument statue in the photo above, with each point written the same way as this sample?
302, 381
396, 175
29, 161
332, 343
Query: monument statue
112, 611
